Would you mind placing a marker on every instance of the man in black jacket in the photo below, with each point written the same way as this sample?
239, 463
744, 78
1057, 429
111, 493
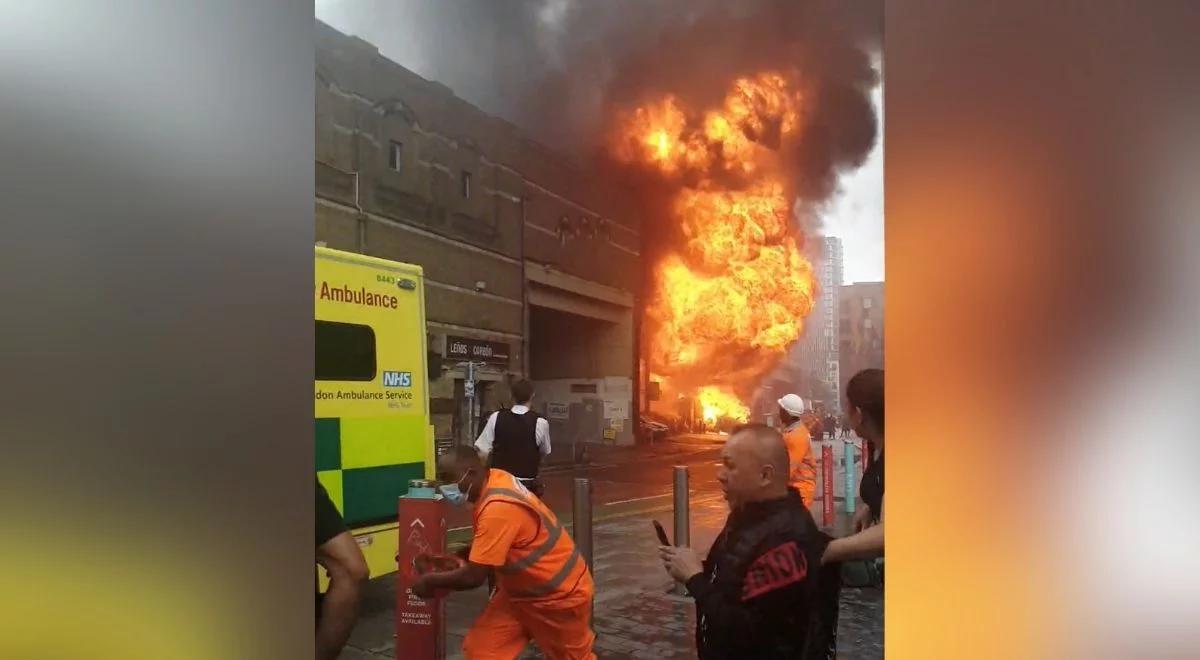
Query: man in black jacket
762, 592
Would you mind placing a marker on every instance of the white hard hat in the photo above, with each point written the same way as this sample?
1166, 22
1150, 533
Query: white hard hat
792, 403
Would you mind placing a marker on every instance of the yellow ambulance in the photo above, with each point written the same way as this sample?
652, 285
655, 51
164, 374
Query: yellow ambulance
372, 409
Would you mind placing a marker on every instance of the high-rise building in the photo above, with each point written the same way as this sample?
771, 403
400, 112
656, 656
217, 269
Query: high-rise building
860, 328
816, 361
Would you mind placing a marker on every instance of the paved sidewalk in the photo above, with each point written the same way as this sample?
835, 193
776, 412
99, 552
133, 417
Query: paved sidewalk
635, 616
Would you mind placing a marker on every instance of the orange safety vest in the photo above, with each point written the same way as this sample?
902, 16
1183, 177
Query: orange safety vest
802, 469
548, 566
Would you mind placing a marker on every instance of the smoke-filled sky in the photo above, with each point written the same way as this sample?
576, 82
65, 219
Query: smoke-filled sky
855, 214
554, 67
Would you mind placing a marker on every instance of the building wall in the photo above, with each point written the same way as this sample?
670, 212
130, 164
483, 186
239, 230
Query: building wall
527, 206
861, 321
594, 405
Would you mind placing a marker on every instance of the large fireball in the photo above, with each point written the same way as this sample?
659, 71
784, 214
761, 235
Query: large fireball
732, 297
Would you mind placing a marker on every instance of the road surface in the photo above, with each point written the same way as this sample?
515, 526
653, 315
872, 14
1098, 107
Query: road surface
624, 488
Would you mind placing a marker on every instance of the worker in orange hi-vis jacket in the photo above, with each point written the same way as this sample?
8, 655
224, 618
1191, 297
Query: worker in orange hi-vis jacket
543, 587
802, 470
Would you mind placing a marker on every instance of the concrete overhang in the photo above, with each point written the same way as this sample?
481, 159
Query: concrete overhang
560, 291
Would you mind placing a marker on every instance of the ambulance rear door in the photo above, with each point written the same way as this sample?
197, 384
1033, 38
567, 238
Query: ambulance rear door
372, 410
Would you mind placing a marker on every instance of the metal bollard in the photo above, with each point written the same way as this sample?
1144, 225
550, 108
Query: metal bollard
848, 460
683, 534
682, 521
581, 520
826, 485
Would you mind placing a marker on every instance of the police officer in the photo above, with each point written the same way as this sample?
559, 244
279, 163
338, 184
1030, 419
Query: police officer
762, 592
515, 440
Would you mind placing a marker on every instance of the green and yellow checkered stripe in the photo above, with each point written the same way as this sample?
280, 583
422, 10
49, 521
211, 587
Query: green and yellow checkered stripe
366, 462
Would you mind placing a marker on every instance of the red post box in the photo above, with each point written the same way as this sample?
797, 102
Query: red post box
420, 622
827, 485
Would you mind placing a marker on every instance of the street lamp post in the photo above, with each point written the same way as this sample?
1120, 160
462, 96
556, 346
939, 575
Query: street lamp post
469, 393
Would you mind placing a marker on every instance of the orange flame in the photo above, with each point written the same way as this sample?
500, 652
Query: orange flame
718, 404
731, 299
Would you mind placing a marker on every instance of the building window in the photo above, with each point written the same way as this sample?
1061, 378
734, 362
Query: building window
867, 324
466, 185
866, 303
395, 152
345, 351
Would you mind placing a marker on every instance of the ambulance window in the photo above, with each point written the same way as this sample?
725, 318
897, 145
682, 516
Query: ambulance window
345, 351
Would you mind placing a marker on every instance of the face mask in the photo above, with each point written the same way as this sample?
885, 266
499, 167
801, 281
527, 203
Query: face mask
453, 493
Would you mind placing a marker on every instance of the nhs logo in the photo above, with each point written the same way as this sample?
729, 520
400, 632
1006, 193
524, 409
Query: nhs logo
397, 379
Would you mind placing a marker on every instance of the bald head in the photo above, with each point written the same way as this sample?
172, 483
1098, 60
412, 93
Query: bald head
460, 458
764, 446
755, 462
462, 465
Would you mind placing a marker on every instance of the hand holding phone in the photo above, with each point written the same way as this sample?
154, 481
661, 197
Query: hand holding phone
662, 533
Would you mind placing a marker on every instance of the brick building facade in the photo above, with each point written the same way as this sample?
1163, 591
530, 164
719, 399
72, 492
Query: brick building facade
522, 251
861, 329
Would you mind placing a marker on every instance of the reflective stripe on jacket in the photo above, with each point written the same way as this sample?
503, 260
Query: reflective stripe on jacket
547, 567
802, 469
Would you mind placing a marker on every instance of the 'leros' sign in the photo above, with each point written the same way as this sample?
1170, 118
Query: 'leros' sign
476, 350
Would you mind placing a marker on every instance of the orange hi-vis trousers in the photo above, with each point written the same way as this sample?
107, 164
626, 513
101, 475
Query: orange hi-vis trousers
561, 627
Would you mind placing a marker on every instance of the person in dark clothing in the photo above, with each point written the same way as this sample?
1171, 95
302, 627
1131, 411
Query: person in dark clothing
343, 561
762, 592
864, 396
815, 427
515, 440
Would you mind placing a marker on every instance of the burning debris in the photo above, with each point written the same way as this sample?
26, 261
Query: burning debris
717, 405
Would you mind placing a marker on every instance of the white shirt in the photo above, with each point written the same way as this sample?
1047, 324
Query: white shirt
488, 435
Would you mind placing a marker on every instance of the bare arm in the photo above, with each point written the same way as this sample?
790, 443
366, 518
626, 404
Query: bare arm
862, 516
486, 437
866, 544
542, 433
343, 561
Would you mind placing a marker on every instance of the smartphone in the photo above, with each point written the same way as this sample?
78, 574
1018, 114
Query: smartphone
662, 533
